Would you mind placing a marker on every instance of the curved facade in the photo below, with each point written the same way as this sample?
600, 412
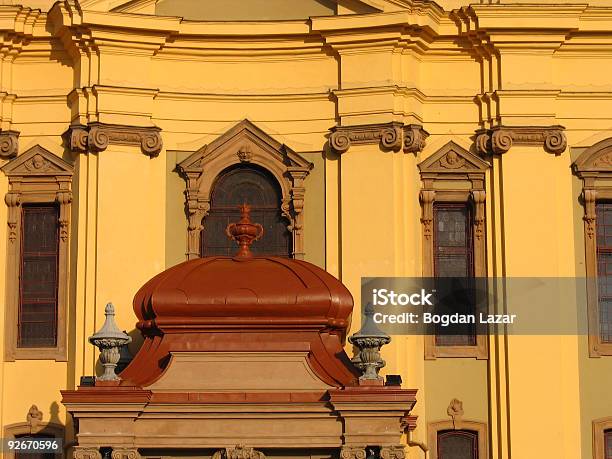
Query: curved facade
377, 119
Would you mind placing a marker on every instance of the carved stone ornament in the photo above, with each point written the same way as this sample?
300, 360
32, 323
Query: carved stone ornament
369, 340
590, 198
244, 142
455, 410
38, 166
9, 144
34, 418
391, 136
109, 340
414, 138
238, 452
97, 136
427, 200
500, 139
125, 453
393, 452
86, 452
244, 154
353, 452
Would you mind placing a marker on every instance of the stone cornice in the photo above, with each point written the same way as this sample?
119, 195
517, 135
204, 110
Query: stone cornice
500, 139
97, 136
23, 20
9, 144
391, 136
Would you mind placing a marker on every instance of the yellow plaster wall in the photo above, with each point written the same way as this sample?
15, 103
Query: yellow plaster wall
362, 215
131, 221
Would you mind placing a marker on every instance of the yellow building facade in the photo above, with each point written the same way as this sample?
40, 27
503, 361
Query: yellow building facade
366, 112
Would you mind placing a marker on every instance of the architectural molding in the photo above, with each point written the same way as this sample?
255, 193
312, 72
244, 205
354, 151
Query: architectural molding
9, 144
391, 136
36, 176
244, 143
599, 428
353, 452
393, 452
238, 452
125, 453
479, 427
414, 138
86, 452
594, 168
453, 174
500, 139
95, 137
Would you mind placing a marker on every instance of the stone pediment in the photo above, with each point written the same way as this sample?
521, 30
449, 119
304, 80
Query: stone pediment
249, 144
597, 158
453, 158
37, 161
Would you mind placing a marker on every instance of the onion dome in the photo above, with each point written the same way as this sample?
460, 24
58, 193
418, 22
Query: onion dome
244, 303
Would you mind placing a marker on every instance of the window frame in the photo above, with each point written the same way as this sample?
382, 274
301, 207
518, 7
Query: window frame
479, 428
594, 167
600, 427
36, 177
22, 264
244, 143
454, 175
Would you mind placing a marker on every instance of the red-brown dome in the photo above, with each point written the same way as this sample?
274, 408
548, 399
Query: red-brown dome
245, 292
243, 304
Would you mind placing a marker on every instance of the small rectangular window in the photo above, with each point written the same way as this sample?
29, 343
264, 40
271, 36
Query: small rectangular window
454, 257
608, 443
457, 444
604, 269
38, 277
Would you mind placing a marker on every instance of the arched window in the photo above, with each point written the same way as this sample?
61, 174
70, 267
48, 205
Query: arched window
254, 186
457, 444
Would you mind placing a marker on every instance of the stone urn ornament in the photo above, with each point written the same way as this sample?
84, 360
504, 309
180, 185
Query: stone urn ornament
369, 340
245, 232
109, 339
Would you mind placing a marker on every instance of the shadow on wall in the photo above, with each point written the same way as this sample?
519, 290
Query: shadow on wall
127, 352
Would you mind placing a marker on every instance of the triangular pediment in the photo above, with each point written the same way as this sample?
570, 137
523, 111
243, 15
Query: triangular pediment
37, 161
595, 158
245, 138
453, 158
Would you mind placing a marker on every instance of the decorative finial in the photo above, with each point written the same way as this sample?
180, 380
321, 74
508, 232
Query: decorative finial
109, 340
369, 340
244, 232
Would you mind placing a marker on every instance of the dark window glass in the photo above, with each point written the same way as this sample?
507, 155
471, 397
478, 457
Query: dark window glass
29, 455
457, 444
454, 257
258, 188
604, 269
37, 319
608, 444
